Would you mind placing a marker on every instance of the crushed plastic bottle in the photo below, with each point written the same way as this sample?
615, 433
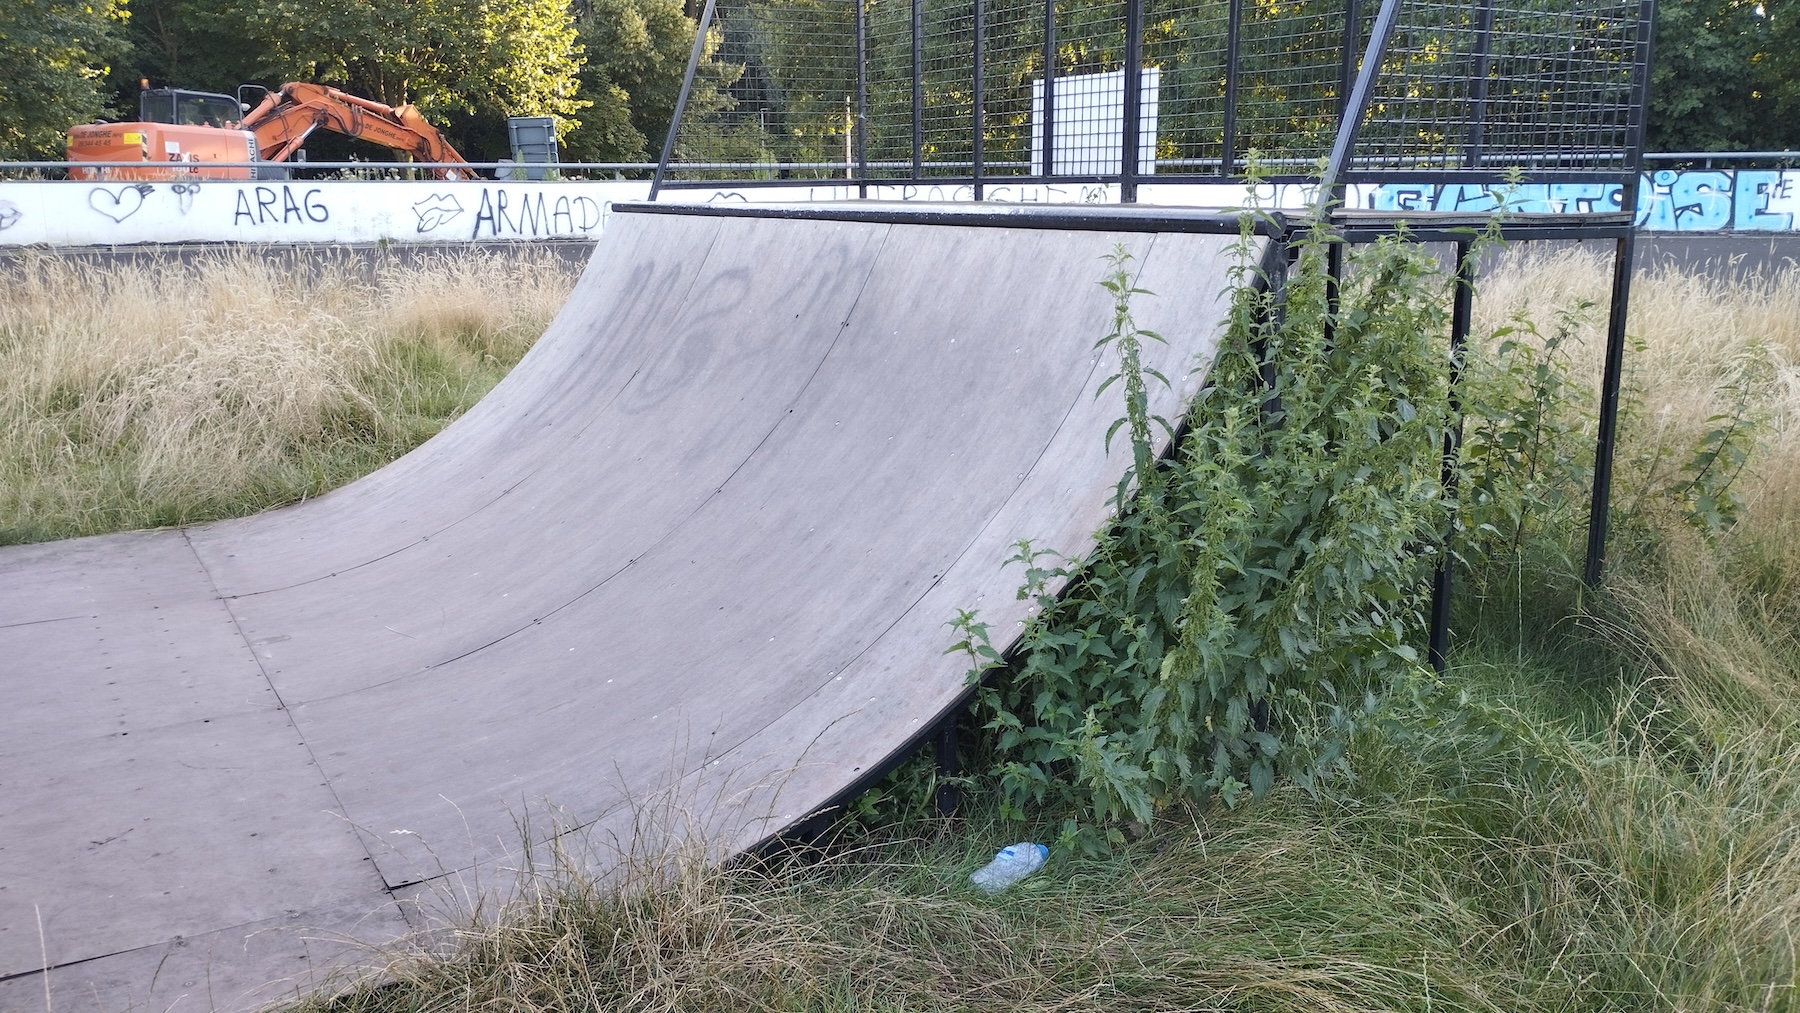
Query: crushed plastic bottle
1011, 864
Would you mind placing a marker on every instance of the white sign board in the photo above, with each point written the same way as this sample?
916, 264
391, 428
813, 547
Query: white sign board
1089, 124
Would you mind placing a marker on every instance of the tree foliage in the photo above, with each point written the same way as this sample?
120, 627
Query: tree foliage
53, 61
518, 58
637, 52
1726, 76
184, 44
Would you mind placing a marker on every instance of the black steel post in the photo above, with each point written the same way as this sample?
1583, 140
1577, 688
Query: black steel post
1461, 314
1346, 77
1334, 281
687, 88
947, 795
1049, 124
980, 93
1478, 95
1134, 102
1234, 27
862, 99
1347, 67
918, 89
1600, 506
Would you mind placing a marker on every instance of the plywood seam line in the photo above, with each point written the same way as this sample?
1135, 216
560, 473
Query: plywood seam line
925, 728
711, 245
679, 525
40, 622
66, 964
312, 757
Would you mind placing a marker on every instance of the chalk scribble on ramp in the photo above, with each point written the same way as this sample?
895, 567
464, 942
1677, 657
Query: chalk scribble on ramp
708, 532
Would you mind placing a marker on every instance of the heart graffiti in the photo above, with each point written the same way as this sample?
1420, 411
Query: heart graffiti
121, 205
435, 210
9, 215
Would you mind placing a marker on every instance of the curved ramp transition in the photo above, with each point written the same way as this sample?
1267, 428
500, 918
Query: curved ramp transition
704, 540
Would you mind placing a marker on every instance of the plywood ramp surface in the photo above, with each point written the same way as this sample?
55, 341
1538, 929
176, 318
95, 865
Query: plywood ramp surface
699, 549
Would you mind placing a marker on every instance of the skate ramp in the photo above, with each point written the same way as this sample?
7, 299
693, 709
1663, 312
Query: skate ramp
702, 545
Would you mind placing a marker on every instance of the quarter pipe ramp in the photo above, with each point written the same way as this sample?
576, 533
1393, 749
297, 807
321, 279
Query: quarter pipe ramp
705, 538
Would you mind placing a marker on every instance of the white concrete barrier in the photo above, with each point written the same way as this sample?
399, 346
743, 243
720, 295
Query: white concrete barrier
69, 213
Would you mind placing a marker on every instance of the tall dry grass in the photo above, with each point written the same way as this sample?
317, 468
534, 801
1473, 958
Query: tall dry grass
167, 391
1661, 851
1698, 336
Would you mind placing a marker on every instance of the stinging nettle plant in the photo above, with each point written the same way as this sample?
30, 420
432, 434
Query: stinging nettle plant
1247, 609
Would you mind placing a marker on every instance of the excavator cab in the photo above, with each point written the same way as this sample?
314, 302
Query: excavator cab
188, 108
176, 134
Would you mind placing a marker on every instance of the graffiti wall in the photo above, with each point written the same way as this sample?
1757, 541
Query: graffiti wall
304, 211
1721, 200
346, 211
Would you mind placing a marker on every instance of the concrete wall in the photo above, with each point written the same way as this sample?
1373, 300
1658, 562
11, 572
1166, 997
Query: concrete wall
59, 213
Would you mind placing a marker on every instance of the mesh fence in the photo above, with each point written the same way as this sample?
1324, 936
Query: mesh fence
965, 89
1538, 85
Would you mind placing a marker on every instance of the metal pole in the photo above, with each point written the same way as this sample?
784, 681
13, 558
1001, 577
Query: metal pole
1049, 125
1334, 282
1234, 27
1484, 61
947, 795
980, 92
1352, 35
1360, 94
1462, 312
1134, 101
1599, 508
687, 88
918, 89
1346, 76
862, 100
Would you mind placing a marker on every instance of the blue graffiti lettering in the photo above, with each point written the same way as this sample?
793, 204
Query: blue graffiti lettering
1750, 195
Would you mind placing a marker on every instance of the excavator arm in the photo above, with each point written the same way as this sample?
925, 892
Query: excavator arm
282, 121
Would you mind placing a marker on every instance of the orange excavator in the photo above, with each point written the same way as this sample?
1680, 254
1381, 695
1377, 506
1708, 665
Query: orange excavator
178, 132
